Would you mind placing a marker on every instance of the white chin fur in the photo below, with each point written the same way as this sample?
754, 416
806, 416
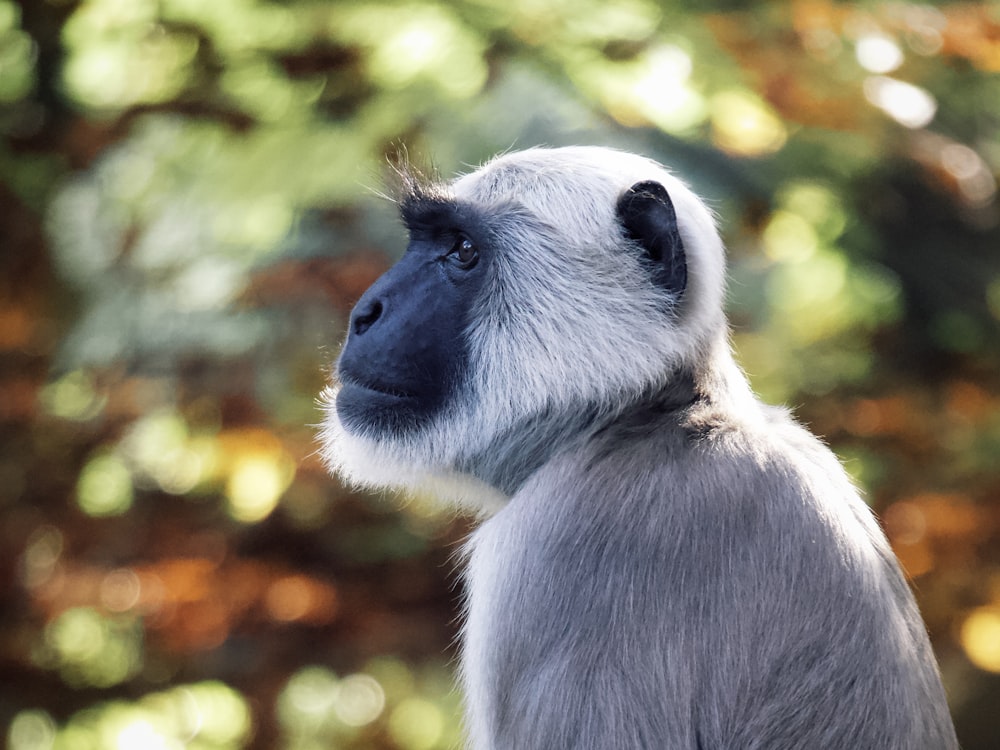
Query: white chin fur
365, 463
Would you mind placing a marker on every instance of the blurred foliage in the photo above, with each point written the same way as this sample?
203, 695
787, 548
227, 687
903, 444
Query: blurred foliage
188, 208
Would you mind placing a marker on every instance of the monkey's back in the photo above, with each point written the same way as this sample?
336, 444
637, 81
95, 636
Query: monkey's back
736, 595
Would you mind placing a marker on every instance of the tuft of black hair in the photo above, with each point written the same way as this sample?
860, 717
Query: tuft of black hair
407, 182
422, 196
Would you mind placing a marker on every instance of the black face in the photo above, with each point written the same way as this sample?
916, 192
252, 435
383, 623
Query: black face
406, 351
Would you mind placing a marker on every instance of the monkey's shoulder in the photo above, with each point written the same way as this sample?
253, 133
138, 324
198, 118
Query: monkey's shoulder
749, 475
754, 438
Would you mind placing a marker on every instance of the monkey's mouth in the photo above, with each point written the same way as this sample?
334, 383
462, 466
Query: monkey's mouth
380, 389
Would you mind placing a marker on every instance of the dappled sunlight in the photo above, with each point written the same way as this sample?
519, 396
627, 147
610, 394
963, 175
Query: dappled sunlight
240, 27
263, 90
89, 649
119, 56
318, 706
191, 206
160, 449
654, 88
186, 605
206, 714
423, 42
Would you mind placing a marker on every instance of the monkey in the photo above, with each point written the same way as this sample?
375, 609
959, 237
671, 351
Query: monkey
661, 560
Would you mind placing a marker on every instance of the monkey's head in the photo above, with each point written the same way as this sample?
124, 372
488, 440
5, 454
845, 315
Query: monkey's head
547, 285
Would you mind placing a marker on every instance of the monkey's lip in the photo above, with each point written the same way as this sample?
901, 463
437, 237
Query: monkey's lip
379, 388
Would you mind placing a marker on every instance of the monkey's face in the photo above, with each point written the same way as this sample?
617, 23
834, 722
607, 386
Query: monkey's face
556, 305
546, 284
406, 352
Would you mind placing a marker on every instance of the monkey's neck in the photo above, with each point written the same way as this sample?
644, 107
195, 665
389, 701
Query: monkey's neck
520, 451
692, 401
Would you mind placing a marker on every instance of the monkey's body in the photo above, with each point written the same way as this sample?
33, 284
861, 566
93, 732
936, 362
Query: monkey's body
669, 564
710, 607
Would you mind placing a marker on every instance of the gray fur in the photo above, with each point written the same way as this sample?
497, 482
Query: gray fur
671, 564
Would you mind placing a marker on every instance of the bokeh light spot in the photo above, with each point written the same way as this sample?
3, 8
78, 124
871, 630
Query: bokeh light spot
73, 396
120, 590
104, 487
91, 650
223, 714
18, 52
297, 597
980, 638
360, 700
661, 92
817, 279
817, 204
878, 53
311, 690
789, 237
31, 730
909, 105
419, 42
160, 447
139, 734
744, 125
256, 483
905, 522
289, 598
416, 724
41, 556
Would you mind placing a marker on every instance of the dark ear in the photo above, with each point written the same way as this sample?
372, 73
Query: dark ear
647, 214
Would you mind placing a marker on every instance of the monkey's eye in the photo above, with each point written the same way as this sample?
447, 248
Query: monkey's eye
464, 252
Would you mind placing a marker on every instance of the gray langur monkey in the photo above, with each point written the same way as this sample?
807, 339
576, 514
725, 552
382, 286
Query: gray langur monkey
664, 562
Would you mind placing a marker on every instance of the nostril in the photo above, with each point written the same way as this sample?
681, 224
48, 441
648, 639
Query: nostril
366, 318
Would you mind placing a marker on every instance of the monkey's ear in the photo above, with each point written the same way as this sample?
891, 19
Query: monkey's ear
647, 214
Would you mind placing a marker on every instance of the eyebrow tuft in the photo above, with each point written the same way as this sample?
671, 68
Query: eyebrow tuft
431, 213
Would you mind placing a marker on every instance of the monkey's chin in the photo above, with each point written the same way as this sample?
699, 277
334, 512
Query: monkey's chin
365, 458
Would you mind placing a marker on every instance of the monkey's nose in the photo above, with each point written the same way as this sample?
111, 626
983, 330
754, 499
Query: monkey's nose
365, 316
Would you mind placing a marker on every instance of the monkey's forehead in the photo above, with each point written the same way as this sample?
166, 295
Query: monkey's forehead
580, 166
581, 174
560, 185
575, 188
423, 211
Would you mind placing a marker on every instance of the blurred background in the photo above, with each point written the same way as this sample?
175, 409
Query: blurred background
188, 210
